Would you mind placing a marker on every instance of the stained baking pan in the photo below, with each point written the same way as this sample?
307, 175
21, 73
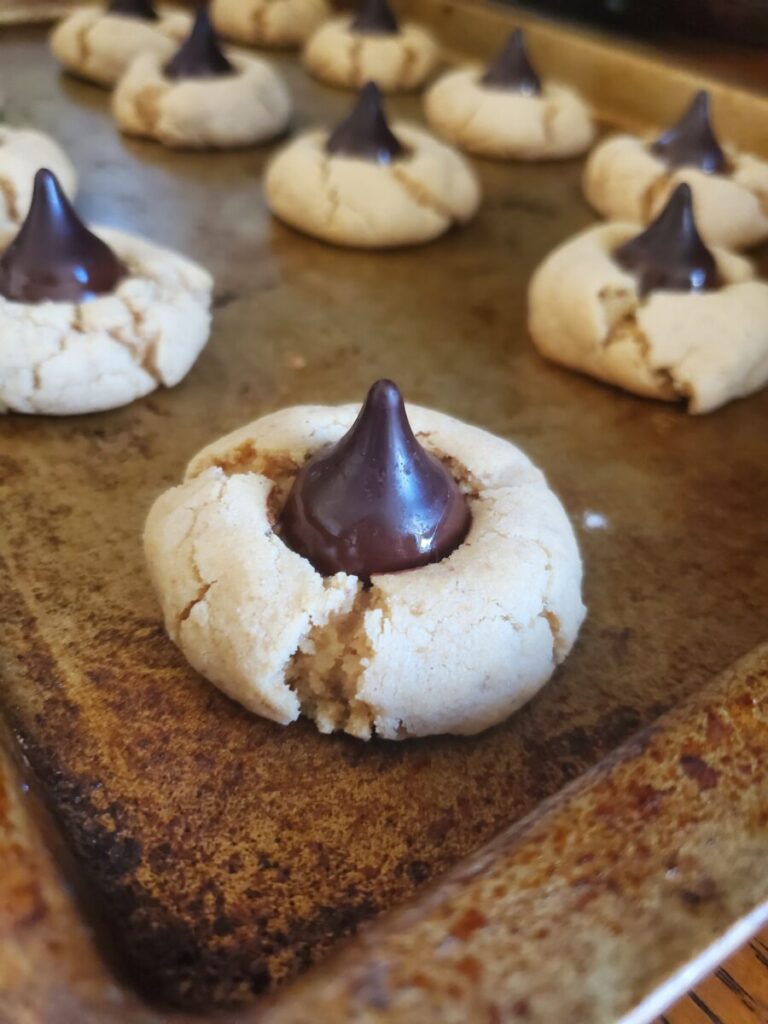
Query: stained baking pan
218, 855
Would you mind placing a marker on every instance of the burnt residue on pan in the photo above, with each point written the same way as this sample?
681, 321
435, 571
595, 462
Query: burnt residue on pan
228, 853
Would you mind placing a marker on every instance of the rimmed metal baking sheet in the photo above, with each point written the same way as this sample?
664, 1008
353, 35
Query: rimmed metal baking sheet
227, 853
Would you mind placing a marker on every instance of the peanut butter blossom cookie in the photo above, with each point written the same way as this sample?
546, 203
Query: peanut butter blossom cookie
202, 97
506, 112
91, 320
630, 178
379, 572
99, 44
654, 311
368, 185
272, 23
23, 152
371, 46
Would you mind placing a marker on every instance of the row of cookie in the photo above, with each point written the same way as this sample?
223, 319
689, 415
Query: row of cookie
173, 82
202, 96
359, 184
654, 311
400, 177
99, 44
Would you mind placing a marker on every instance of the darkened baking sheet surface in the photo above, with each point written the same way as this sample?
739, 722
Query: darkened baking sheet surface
226, 853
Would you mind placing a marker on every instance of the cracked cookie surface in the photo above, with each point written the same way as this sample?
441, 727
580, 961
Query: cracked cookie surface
624, 180
63, 358
455, 646
396, 62
271, 23
704, 347
504, 124
250, 106
99, 46
357, 202
23, 152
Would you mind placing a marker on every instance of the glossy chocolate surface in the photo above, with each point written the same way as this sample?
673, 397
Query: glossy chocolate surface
54, 256
670, 255
692, 141
376, 501
365, 132
375, 17
512, 68
200, 55
133, 9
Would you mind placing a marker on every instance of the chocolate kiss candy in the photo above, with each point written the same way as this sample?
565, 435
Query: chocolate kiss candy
200, 55
512, 68
133, 9
670, 254
692, 142
375, 501
365, 132
54, 256
375, 17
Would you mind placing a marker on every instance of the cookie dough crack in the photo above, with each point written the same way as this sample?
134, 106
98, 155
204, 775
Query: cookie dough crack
762, 198
326, 669
331, 192
652, 193
421, 195
189, 538
258, 18
200, 596
38, 384
147, 105
548, 122
626, 328
356, 61
145, 351
559, 646
11, 199
462, 130
83, 43
407, 63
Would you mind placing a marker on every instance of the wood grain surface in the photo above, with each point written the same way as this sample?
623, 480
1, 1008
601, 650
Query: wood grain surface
737, 992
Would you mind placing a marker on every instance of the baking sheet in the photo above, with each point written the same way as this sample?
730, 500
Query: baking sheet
225, 853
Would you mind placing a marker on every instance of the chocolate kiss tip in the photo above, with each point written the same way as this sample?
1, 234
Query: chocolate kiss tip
376, 501
134, 9
669, 254
365, 132
375, 17
200, 55
692, 141
54, 256
512, 68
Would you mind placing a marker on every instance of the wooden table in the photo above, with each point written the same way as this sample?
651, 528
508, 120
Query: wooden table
737, 993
